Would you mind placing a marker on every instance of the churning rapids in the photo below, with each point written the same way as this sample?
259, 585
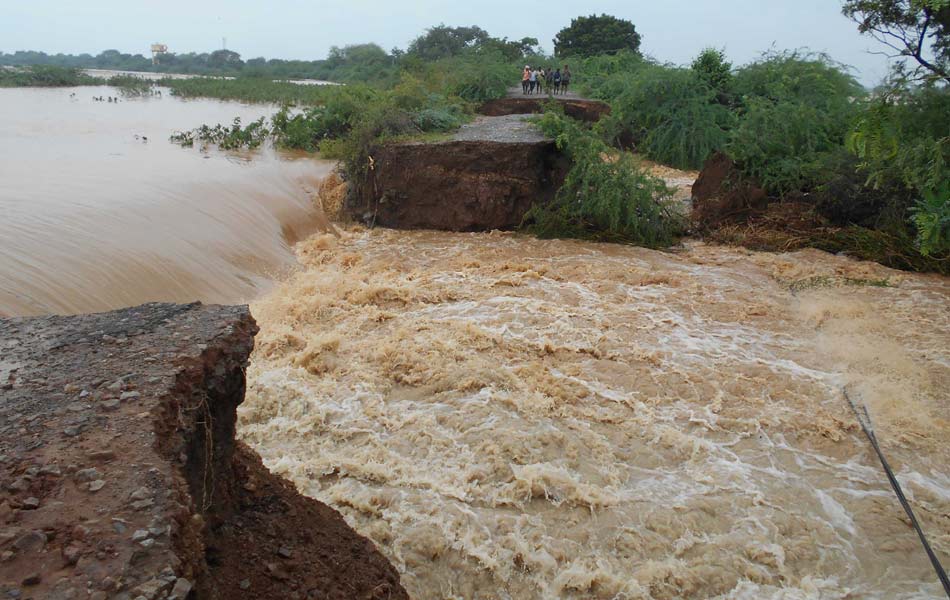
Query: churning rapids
515, 418
508, 417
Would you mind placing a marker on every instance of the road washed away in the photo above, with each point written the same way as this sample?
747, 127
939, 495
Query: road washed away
509, 417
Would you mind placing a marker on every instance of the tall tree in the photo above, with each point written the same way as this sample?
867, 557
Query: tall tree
593, 35
915, 29
442, 41
225, 59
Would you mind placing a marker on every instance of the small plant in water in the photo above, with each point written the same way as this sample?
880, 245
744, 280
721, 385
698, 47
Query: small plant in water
226, 137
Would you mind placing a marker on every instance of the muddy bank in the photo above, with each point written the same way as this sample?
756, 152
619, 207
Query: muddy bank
732, 208
121, 477
485, 177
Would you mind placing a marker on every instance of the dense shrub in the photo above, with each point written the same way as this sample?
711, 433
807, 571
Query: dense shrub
46, 76
932, 218
606, 195
437, 119
226, 137
794, 110
673, 116
845, 197
903, 140
712, 67
605, 76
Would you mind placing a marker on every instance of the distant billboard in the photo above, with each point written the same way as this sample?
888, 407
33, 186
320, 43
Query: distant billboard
159, 48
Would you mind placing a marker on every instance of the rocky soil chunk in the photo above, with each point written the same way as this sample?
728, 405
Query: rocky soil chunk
120, 476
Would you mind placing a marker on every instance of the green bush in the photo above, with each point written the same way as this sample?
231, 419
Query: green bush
672, 115
782, 145
606, 76
46, 76
932, 218
794, 110
606, 195
475, 78
131, 86
437, 119
902, 138
712, 67
226, 137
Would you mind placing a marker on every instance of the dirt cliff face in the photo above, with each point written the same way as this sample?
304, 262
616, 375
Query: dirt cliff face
582, 110
721, 195
121, 477
485, 178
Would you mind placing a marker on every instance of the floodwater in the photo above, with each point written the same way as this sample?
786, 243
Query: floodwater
507, 417
94, 217
514, 418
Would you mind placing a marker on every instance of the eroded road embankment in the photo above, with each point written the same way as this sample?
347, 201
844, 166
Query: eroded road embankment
121, 477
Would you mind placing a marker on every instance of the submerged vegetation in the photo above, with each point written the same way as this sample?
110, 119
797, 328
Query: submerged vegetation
247, 89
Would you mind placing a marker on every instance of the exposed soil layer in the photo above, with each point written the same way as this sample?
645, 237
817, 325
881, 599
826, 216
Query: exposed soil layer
577, 108
721, 195
121, 477
487, 177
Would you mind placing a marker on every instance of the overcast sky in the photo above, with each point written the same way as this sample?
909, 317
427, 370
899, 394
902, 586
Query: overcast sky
672, 31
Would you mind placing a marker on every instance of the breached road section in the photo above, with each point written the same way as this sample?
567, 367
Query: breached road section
574, 107
486, 176
121, 477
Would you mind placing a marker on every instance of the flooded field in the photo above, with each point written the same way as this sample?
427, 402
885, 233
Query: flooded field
514, 418
99, 210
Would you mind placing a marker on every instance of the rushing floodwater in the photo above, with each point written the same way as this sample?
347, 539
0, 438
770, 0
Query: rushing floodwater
506, 417
92, 217
514, 418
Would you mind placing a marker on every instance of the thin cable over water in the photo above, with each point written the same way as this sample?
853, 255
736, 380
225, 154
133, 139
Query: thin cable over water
865, 420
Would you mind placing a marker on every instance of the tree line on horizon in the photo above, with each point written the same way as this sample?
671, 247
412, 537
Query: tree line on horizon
366, 62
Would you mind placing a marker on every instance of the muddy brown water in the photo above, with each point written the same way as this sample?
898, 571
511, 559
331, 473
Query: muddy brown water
508, 417
92, 217
515, 418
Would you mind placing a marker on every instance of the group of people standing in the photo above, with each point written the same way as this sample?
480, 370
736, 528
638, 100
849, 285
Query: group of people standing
556, 80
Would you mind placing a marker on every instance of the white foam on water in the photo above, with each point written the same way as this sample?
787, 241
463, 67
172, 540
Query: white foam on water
516, 418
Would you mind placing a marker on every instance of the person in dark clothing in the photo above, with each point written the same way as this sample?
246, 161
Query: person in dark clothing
549, 80
565, 79
557, 81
